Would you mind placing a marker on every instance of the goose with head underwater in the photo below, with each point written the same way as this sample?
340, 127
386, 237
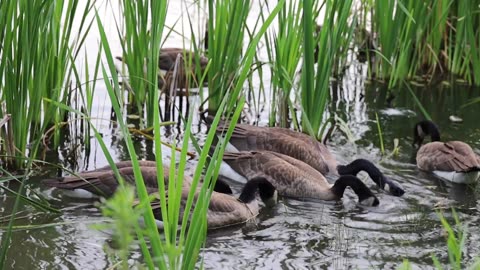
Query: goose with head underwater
225, 209
454, 161
302, 147
292, 177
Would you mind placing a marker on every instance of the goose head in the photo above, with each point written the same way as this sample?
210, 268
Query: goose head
365, 195
265, 189
425, 128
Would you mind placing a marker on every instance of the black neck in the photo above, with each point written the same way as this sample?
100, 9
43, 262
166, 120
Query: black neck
363, 165
264, 187
362, 191
222, 187
424, 128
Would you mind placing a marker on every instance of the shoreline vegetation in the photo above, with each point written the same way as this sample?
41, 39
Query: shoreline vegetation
45, 91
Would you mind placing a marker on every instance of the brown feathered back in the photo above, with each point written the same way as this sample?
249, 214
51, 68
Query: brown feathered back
291, 177
102, 182
447, 156
285, 141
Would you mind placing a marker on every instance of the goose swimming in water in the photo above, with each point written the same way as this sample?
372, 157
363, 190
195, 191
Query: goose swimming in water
226, 210
292, 177
302, 147
453, 161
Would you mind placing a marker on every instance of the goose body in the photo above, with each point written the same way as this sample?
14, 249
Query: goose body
292, 177
227, 210
103, 182
454, 161
302, 147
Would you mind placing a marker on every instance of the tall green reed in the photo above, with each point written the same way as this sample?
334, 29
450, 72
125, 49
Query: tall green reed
426, 38
143, 22
335, 36
38, 47
226, 30
284, 50
177, 248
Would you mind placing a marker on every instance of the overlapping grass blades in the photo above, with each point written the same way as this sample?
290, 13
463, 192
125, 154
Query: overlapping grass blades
226, 30
38, 47
284, 52
335, 36
175, 249
427, 37
144, 21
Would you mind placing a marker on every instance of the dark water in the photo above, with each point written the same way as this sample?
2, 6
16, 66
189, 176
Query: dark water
297, 234
294, 234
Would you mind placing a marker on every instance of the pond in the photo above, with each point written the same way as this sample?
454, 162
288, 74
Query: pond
295, 234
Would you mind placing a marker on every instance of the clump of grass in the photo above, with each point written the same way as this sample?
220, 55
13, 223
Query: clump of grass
284, 51
144, 21
427, 38
333, 40
38, 48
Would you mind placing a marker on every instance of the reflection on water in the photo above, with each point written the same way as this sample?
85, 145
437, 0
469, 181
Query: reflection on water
294, 234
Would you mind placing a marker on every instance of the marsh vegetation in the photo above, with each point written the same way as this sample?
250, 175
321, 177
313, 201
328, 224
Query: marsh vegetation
355, 74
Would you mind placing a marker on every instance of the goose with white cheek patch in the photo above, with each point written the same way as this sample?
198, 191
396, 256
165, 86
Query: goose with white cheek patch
453, 161
302, 147
226, 210
292, 177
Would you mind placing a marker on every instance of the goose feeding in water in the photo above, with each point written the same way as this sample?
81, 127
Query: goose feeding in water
227, 210
453, 161
302, 147
292, 177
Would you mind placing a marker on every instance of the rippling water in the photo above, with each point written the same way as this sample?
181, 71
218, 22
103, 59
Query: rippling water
294, 234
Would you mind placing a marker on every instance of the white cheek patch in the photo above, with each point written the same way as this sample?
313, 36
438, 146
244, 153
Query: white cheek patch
368, 202
227, 171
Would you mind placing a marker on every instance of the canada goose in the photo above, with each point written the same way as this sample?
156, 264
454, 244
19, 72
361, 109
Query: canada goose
226, 210
302, 147
292, 177
453, 161
102, 182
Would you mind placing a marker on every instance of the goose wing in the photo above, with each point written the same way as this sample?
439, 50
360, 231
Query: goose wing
104, 182
291, 177
285, 141
223, 209
447, 156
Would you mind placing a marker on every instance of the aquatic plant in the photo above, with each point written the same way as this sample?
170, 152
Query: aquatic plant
425, 37
38, 47
284, 51
143, 27
176, 248
334, 35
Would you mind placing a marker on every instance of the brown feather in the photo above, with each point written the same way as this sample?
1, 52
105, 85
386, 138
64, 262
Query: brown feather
291, 177
449, 156
223, 210
103, 182
285, 141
